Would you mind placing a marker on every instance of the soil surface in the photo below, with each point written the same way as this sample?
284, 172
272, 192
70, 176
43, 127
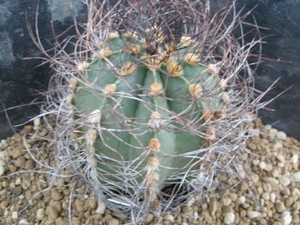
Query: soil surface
271, 196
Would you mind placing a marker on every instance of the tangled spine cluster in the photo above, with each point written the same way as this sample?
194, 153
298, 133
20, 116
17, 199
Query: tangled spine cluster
152, 101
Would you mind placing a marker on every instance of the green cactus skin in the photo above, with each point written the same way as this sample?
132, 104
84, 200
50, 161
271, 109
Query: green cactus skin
149, 109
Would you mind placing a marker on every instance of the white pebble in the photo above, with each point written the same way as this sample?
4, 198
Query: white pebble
169, 218
286, 218
2, 170
255, 162
285, 180
295, 177
272, 181
18, 181
241, 200
196, 215
272, 197
262, 165
296, 192
294, 158
37, 121
101, 207
273, 132
281, 135
265, 196
3, 144
23, 222
269, 167
277, 145
253, 214
3, 156
280, 164
14, 215
229, 218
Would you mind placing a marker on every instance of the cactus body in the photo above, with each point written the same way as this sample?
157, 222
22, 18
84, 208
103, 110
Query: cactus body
150, 107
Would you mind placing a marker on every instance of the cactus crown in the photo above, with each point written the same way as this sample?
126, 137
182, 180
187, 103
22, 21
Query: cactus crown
154, 103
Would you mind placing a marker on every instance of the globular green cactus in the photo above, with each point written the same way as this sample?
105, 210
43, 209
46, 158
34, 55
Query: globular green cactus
145, 109
152, 102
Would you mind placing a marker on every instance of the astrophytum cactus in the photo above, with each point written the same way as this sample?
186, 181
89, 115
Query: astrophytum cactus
152, 102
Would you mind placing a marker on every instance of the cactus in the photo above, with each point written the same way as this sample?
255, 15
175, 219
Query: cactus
146, 111
151, 102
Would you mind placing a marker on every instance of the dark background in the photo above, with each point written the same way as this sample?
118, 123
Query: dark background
23, 80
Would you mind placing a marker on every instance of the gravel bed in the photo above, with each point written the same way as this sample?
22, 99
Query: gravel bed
272, 196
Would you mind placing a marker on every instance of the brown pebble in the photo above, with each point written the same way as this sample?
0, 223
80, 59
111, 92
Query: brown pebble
28, 128
21, 161
280, 207
62, 221
51, 212
79, 205
15, 152
92, 203
30, 164
75, 221
12, 168
289, 201
3, 204
56, 204
213, 206
113, 221
207, 217
233, 196
55, 195
149, 218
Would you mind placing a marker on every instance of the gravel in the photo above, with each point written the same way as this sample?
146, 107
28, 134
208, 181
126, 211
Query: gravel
271, 196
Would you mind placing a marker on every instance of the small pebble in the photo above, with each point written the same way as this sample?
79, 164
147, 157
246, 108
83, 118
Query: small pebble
284, 180
23, 222
170, 218
294, 158
272, 197
262, 165
14, 215
37, 121
40, 214
280, 158
255, 162
113, 221
253, 214
149, 218
101, 207
280, 207
286, 218
18, 181
269, 167
295, 177
2, 170
281, 135
213, 206
229, 218
273, 132
241, 200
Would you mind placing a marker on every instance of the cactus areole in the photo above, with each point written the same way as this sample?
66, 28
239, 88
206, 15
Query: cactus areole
144, 110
